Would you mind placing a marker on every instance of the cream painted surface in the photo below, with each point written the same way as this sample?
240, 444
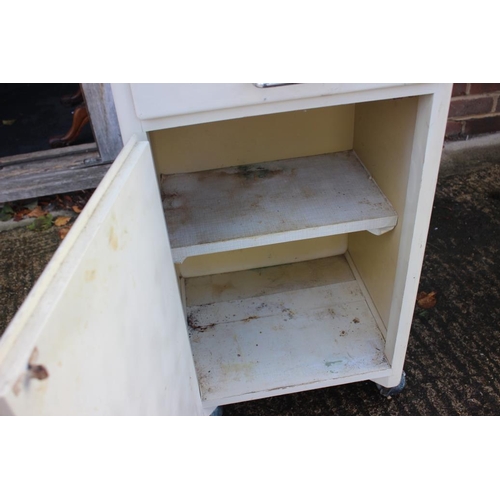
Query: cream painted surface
253, 139
271, 202
230, 287
156, 100
383, 140
282, 329
351, 94
264, 256
106, 316
426, 154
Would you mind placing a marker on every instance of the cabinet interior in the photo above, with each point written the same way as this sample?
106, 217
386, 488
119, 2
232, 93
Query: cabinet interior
290, 307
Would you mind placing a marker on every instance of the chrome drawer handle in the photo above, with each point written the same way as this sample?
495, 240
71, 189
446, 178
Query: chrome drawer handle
267, 85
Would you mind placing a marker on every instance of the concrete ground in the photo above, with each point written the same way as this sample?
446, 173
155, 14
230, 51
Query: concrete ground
453, 359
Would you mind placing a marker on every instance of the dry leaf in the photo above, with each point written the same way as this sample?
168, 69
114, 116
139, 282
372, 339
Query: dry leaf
20, 214
426, 300
61, 221
36, 212
76, 209
64, 231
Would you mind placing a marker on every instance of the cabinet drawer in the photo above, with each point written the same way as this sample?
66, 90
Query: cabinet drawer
157, 100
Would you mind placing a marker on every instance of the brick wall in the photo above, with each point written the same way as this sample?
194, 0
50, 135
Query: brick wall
474, 110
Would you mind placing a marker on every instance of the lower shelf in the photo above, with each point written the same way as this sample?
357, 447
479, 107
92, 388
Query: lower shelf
281, 329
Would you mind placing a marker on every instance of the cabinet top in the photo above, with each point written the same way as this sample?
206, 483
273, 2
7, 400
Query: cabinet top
143, 107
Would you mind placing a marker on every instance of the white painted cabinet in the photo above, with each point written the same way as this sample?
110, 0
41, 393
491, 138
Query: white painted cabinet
247, 242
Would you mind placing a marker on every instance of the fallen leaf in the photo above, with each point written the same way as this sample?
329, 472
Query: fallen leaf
20, 214
76, 209
63, 232
37, 212
61, 221
426, 300
8, 122
41, 223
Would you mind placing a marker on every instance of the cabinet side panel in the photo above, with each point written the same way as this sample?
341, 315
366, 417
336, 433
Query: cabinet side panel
253, 139
383, 140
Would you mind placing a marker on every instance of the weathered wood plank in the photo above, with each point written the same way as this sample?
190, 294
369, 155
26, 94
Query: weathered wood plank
49, 154
103, 119
46, 176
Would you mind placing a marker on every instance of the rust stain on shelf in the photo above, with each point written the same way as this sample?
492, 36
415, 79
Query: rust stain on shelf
250, 318
193, 324
172, 200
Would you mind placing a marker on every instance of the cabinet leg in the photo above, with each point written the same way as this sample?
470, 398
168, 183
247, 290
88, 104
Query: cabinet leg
393, 391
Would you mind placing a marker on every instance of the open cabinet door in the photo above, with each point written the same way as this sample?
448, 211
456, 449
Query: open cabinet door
103, 330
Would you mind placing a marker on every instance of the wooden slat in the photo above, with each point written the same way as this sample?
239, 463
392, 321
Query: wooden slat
49, 154
103, 119
274, 338
272, 202
46, 175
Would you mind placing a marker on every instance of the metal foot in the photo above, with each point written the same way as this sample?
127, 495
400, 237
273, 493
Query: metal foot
217, 412
392, 391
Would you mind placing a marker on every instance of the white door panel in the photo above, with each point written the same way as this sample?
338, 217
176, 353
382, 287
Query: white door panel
105, 318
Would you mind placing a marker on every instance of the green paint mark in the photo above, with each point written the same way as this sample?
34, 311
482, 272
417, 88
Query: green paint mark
252, 172
331, 363
41, 223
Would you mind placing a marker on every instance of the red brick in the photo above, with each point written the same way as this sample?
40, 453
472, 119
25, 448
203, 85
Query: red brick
482, 125
483, 88
469, 107
453, 129
459, 89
